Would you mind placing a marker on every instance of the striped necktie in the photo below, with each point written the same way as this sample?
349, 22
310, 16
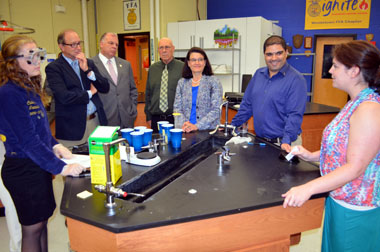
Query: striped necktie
112, 72
164, 90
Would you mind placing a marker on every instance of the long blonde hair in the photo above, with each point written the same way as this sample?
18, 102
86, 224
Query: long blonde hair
10, 70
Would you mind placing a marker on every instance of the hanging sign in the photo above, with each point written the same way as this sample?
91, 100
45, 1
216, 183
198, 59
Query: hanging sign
132, 17
337, 14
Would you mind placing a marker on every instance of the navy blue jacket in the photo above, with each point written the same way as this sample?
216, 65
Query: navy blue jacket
24, 128
71, 100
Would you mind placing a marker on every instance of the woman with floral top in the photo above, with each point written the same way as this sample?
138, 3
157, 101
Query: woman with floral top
350, 155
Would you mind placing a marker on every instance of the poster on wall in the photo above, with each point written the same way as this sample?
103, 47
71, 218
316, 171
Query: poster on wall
337, 14
226, 37
132, 17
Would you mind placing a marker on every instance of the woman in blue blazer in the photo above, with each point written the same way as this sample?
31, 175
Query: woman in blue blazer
198, 94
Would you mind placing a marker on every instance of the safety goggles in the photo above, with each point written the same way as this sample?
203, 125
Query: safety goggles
34, 56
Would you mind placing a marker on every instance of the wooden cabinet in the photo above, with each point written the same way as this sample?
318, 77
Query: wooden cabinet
312, 128
268, 229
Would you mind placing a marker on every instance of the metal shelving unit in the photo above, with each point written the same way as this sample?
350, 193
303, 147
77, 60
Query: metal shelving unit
235, 52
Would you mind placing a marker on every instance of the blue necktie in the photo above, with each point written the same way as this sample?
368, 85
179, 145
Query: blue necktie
75, 66
91, 108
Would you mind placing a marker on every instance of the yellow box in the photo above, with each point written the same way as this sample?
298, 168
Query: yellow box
104, 134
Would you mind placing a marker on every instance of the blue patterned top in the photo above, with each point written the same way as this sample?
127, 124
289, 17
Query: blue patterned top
364, 190
209, 99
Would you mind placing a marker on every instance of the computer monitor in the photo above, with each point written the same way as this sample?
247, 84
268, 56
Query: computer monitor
245, 80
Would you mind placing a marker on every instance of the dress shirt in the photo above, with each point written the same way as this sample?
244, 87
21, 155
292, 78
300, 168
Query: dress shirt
90, 106
277, 104
104, 60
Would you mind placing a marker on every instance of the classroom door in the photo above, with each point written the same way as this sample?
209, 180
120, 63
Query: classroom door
135, 49
324, 92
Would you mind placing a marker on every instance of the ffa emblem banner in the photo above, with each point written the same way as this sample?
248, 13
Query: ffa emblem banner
337, 14
132, 15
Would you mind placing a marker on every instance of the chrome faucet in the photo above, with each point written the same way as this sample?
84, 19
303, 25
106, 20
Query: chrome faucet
226, 117
109, 189
224, 157
225, 126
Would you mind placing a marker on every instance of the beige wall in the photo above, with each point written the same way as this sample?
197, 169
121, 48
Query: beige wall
41, 15
180, 10
110, 14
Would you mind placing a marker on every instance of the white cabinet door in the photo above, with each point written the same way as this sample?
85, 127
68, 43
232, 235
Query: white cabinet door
254, 51
258, 30
173, 33
186, 38
277, 30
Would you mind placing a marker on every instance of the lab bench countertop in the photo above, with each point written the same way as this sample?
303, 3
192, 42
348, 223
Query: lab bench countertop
254, 179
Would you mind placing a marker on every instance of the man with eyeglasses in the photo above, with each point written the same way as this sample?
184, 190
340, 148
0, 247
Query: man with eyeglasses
120, 103
275, 97
75, 82
161, 85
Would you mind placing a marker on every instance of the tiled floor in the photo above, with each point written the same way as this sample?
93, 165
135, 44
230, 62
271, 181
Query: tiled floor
58, 236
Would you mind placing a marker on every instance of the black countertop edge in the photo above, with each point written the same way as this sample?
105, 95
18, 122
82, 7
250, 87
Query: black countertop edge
171, 222
311, 109
182, 220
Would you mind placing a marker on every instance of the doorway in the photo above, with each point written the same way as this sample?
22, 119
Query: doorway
323, 91
135, 47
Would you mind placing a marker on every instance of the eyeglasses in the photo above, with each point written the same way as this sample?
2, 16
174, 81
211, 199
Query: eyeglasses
35, 57
75, 44
200, 60
164, 47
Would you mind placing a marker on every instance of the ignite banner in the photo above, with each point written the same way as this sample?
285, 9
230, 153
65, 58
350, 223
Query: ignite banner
337, 14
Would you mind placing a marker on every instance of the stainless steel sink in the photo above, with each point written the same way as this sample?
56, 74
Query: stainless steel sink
154, 179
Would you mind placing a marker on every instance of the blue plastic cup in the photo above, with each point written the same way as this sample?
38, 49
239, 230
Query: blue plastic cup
160, 128
137, 140
176, 137
126, 133
147, 136
140, 128
166, 131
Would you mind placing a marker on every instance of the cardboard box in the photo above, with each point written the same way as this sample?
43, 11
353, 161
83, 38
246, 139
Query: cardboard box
104, 134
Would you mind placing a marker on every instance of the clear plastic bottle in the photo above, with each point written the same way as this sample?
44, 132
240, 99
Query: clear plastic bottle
178, 120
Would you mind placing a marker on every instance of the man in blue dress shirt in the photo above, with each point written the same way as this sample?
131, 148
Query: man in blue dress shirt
275, 97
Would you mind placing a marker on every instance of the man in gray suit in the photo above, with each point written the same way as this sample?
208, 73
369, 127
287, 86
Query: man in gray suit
120, 103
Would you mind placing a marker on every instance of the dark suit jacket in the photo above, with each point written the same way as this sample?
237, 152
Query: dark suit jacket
120, 103
71, 100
